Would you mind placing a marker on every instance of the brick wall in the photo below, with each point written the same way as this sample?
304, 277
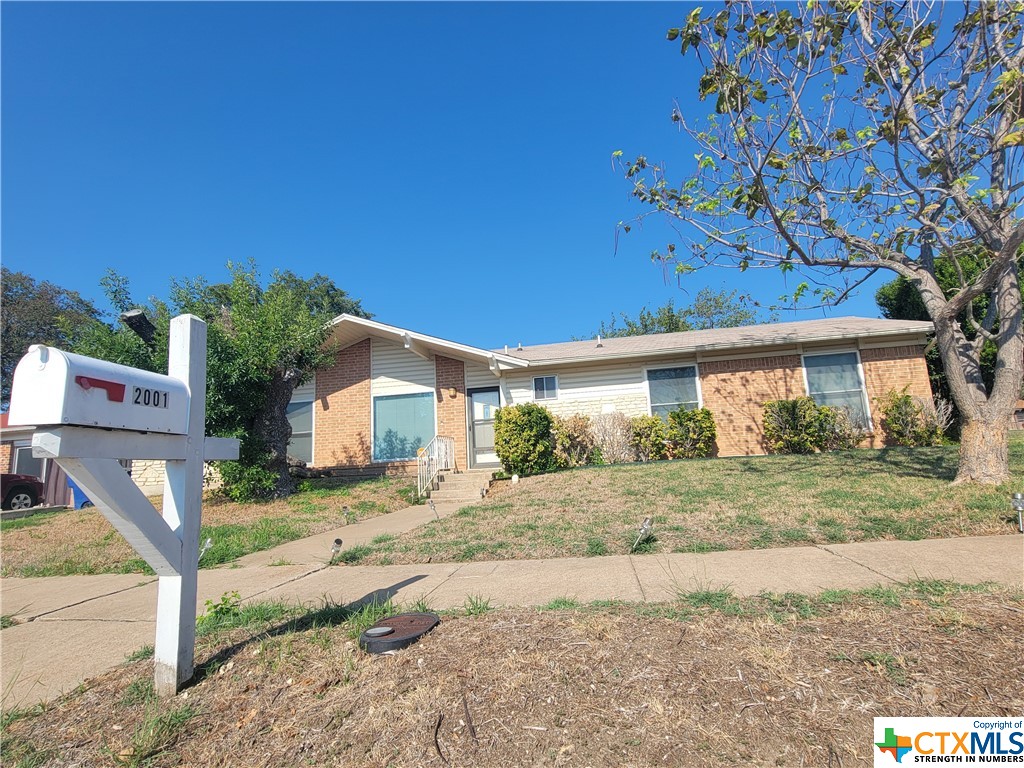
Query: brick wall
6, 456
341, 411
893, 368
451, 411
735, 392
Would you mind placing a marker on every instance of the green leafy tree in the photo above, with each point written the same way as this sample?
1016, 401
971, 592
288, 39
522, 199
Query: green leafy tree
899, 300
664, 319
710, 309
34, 312
262, 342
850, 137
722, 309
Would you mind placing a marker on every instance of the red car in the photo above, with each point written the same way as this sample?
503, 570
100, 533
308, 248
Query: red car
20, 491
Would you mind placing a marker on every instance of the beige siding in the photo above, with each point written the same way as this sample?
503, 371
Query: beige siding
395, 370
479, 377
591, 390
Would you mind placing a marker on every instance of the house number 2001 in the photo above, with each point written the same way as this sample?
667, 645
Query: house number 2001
152, 397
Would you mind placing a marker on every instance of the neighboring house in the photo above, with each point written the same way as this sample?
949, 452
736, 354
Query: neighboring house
392, 390
16, 456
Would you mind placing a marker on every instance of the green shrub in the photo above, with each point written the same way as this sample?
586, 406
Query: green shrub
836, 430
801, 426
791, 426
522, 439
691, 433
246, 482
574, 444
648, 437
907, 420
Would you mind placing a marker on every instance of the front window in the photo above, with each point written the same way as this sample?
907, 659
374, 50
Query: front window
545, 388
300, 445
672, 389
835, 380
402, 424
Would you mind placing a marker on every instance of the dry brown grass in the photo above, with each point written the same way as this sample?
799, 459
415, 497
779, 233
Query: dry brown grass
699, 506
595, 687
84, 542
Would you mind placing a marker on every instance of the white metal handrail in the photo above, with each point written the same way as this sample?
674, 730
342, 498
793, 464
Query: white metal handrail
437, 456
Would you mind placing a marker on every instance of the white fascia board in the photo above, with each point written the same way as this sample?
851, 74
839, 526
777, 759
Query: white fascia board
413, 341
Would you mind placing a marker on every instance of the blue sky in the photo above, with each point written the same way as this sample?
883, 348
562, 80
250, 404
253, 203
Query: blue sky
448, 164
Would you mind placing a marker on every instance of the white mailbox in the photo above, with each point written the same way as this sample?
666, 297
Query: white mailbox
52, 387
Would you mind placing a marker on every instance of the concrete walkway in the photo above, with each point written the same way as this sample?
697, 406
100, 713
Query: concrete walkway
76, 627
316, 550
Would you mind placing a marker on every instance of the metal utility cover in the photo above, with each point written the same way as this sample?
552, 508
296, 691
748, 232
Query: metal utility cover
406, 629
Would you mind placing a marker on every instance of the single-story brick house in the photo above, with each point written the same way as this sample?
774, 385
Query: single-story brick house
391, 390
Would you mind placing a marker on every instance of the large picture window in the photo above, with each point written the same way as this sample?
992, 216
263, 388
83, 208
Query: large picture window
671, 389
835, 380
402, 424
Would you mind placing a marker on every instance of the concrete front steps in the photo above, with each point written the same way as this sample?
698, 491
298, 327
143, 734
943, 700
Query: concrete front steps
461, 487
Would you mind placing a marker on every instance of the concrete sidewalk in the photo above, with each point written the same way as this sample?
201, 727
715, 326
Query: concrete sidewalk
77, 627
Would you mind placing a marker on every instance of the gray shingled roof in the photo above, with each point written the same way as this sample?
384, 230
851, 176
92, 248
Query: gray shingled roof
721, 339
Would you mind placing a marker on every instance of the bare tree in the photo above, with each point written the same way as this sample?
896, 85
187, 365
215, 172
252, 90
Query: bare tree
850, 137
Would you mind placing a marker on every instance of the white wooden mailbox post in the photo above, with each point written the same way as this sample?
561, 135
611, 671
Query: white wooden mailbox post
90, 413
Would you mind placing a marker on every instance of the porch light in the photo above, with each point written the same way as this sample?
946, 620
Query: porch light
1017, 502
452, 392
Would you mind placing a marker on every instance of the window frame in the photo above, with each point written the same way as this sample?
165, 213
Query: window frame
551, 397
869, 427
312, 419
647, 383
432, 394
26, 445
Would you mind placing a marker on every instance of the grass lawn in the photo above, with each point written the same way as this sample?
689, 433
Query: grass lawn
709, 679
697, 506
83, 542
718, 504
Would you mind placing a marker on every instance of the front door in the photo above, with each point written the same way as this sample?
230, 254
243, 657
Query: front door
482, 405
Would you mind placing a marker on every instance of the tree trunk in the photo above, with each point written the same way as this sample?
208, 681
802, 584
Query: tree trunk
272, 428
984, 452
985, 416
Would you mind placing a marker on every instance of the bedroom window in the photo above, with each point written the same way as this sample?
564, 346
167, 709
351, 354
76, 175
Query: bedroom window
545, 388
835, 380
300, 444
672, 388
402, 424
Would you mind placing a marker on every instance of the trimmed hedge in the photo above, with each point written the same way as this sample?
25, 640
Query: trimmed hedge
522, 439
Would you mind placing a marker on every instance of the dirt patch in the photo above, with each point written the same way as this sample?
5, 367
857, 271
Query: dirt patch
597, 687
